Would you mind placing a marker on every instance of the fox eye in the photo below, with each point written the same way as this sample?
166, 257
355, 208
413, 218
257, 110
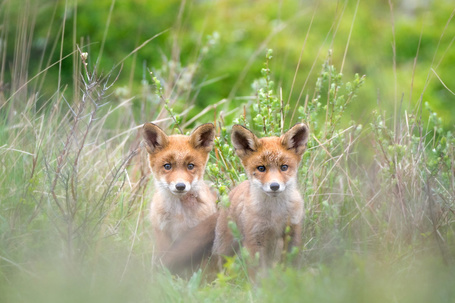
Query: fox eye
167, 166
261, 168
284, 167
190, 166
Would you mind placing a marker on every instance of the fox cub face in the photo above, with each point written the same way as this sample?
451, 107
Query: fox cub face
178, 161
271, 163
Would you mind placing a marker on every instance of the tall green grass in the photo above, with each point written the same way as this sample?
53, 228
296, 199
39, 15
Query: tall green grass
75, 190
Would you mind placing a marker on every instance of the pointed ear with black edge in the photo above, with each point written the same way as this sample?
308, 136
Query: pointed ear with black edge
244, 140
203, 137
154, 137
296, 138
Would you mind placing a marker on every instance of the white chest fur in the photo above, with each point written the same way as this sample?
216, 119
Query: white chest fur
174, 214
275, 212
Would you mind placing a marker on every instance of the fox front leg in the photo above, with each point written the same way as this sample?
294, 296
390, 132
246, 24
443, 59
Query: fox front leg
263, 244
162, 242
291, 238
295, 235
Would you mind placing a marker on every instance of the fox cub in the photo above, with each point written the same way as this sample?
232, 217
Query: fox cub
182, 201
263, 206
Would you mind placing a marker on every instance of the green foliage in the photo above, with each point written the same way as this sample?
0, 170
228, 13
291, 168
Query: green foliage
411, 156
267, 113
217, 46
74, 183
356, 279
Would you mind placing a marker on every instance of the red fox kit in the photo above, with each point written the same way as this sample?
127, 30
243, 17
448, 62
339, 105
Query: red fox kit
182, 199
269, 201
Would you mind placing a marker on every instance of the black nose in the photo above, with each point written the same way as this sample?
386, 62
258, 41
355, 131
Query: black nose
180, 186
274, 186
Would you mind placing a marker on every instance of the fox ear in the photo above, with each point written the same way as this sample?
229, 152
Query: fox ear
244, 140
203, 137
296, 138
154, 137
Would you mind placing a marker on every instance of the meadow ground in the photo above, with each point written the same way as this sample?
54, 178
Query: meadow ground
75, 188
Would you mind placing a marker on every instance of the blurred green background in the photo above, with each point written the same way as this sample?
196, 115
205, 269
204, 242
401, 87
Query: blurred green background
75, 189
400, 46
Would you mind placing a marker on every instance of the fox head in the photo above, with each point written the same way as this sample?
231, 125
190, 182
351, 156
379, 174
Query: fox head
271, 163
178, 161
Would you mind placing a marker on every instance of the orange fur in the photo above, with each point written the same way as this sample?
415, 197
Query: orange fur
193, 251
269, 201
182, 200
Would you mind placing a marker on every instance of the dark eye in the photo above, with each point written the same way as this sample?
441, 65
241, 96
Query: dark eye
190, 166
284, 167
167, 166
261, 168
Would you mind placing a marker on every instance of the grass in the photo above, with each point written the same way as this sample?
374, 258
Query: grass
75, 190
